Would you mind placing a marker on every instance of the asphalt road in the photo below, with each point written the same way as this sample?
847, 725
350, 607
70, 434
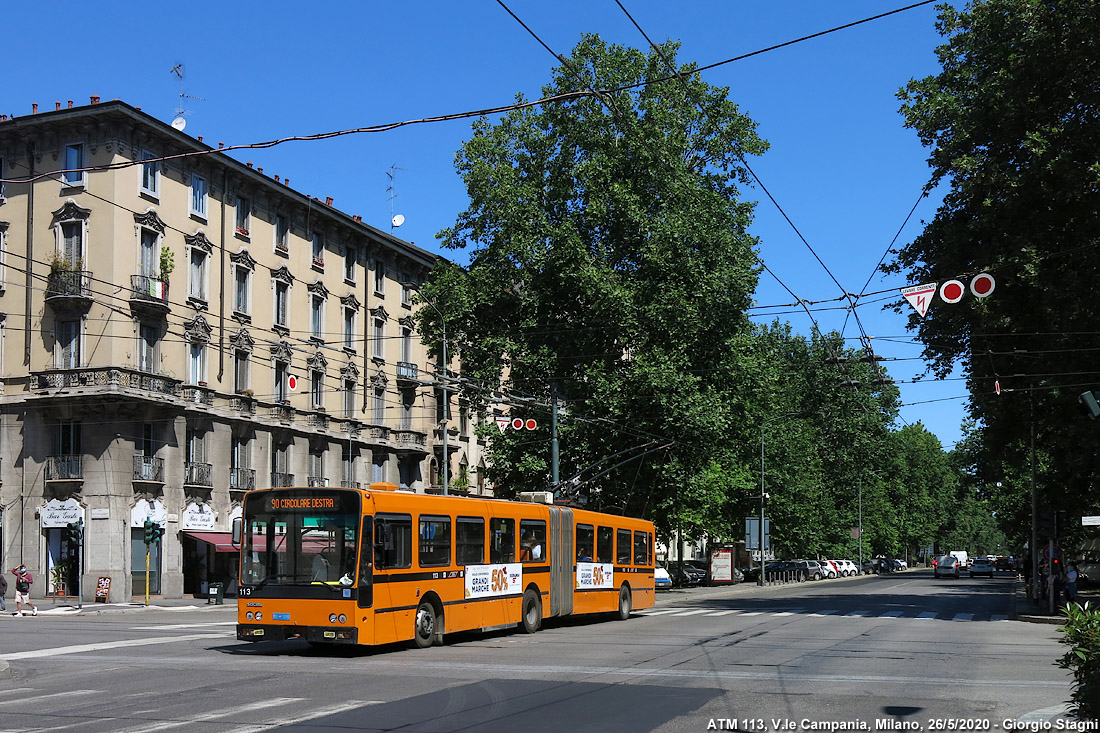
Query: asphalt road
902, 647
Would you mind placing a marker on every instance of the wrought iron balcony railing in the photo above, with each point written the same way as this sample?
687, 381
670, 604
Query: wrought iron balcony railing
64, 467
148, 468
198, 474
242, 479
281, 479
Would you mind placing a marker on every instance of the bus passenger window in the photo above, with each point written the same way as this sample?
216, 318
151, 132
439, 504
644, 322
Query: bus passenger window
641, 548
503, 547
605, 550
470, 541
586, 540
622, 547
532, 540
392, 541
435, 541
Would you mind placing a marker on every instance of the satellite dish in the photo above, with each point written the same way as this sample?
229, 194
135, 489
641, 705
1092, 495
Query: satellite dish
179, 123
398, 220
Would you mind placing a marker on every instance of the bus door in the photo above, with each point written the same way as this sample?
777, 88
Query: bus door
366, 564
561, 561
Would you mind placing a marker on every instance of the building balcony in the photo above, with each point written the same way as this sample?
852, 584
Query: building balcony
378, 432
242, 479
149, 294
243, 404
198, 474
316, 481
410, 440
69, 289
283, 413
281, 479
318, 420
65, 468
105, 379
149, 469
352, 484
198, 395
407, 372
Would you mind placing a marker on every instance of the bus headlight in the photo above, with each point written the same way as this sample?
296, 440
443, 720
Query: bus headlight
248, 615
332, 618
343, 619
259, 615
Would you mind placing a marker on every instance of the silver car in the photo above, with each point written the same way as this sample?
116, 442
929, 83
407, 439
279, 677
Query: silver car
946, 566
981, 566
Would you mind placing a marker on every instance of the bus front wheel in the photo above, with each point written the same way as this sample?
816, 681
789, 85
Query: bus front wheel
532, 612
425, 625
624, 603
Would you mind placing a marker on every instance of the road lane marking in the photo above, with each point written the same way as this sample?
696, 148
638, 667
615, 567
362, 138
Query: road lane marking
824, 613
790, 612
693, 612
890, 614
166, 627
963, 617
82, 648
657, 611
38, 698
722, 613
300, 717
927, 614
858, 613
214, 715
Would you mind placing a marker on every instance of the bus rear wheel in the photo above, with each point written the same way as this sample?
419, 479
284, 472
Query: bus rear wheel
532, 612
426, 624
624, 603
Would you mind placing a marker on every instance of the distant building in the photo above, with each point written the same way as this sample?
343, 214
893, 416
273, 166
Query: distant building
153, 319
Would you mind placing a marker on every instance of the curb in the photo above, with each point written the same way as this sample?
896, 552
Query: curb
1024, 609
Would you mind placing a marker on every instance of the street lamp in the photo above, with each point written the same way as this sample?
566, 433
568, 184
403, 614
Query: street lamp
763, 496
442, 380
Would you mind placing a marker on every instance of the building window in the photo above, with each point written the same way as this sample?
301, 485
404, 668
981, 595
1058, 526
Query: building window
148, 339
349, 328
282, 234
406, 344
317, 467
408, 400
282, 296
198, 196
150, 174
317, 317
282, 370
196, 445
378, 467
74, 161
349, 260
149, 256
72, 244
67, 334
198, 274
242, 280
244, 216
241, 362
406, 293
378, 405
348, 459
2, 184
379, 278
463, 419
317, 389
379, 351
196, 363
280, 458
349, 398
318, 250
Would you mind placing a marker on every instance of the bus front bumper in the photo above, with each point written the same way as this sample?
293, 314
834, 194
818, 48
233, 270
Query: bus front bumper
316, 634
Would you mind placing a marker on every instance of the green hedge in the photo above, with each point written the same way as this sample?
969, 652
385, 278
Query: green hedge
1082, 634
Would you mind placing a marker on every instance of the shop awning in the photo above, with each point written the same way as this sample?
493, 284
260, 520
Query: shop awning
222, 541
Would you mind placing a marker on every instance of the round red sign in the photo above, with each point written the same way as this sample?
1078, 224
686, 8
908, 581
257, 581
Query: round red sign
292, 382
982, 285
517, 423
531, 424
952, 291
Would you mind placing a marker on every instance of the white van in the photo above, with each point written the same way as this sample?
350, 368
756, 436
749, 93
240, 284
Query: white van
963, 558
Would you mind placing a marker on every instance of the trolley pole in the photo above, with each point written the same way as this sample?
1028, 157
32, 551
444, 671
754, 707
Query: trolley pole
554, 458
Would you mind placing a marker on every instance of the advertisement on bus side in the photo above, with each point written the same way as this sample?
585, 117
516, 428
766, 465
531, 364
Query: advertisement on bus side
595, 575
485, 581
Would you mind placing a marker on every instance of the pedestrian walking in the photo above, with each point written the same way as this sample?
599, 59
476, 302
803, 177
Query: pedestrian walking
1071, 583
23, 581
3, 592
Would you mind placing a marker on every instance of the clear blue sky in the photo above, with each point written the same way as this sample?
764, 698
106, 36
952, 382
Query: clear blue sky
841, 164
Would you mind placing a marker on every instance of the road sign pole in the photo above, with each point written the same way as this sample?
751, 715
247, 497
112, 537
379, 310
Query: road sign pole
146, 573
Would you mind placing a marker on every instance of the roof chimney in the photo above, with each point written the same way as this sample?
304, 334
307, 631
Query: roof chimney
70, 104
286, 182
34, 108
276, 178
250, 164
95, 99
200, 138
56, 106
261, 170
220, 145
328, 200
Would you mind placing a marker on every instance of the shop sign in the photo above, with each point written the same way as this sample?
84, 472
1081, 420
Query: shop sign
60, 513
145, 509
198, 517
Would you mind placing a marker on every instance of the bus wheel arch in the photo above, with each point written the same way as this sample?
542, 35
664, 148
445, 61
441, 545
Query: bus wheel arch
531, 610
428, 622
626, 601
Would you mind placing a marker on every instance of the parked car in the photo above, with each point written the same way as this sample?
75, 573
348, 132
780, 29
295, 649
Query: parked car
686, 576
814, 570
947, 566
703, 567
898, 564
981, 566
829, 569
661, 579
868, 567
847, 568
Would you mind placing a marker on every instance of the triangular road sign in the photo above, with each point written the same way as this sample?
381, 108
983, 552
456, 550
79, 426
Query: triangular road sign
920, 296
503, 421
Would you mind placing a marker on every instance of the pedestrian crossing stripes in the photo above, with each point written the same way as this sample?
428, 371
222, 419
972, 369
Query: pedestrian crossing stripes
715, 612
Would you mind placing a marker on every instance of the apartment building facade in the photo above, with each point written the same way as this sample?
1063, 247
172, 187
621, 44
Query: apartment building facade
177, 328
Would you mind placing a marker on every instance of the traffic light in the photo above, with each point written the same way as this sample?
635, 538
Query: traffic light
158, 532
74, 532
150, 535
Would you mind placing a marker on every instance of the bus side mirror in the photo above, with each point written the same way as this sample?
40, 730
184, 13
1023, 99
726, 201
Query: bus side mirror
238, 527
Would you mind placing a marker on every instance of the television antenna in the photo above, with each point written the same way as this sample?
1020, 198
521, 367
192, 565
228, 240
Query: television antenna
179, 122
396, 220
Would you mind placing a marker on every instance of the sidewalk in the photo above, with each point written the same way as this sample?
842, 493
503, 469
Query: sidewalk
67, 606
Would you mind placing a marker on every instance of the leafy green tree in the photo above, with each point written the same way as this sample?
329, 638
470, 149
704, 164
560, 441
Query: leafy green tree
1012, 124
609, 255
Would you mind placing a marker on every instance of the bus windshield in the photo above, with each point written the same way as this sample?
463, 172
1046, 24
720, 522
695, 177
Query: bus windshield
300, 537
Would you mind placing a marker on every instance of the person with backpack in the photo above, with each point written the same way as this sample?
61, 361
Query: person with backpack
23, 582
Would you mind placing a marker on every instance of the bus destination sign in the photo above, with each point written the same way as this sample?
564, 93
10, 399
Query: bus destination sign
302, 502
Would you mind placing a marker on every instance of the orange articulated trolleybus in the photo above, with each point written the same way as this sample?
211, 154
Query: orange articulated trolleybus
379, 565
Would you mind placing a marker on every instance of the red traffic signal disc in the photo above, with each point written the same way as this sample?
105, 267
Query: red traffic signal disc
952, 291
517, 423
531, 424
292, 382
982, 285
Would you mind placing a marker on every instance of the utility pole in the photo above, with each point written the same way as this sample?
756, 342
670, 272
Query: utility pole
554, 458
